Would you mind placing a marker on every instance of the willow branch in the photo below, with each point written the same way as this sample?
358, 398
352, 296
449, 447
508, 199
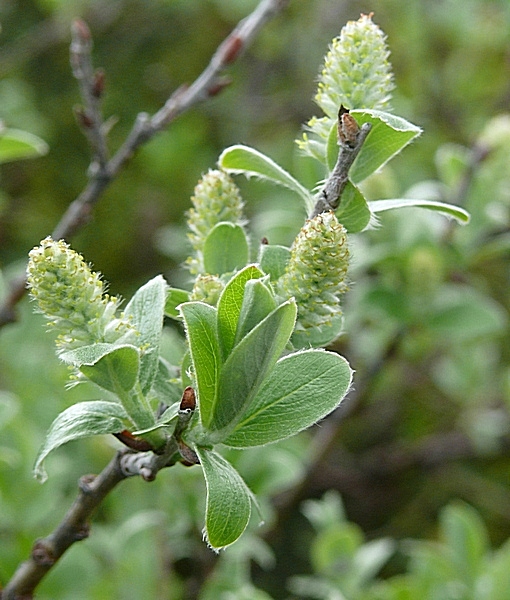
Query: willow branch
102, 170
75, 527
351, 138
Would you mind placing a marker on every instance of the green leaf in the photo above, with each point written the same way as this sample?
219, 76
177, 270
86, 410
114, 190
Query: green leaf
78, 421
258, 302
16, 144
248, 365
353, 211
146, 309
201, 328
225, 249
466, 536
114, 368
273, 260
462, 314
302, 389
165, 386
174, 297
250, 162
320, 336
332, 147
229, 306
169, 415
389, 135
228, 504
449, 210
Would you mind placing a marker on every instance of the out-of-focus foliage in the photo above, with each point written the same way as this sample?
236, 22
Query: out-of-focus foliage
427, 317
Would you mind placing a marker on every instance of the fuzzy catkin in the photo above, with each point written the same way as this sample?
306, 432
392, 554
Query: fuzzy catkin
72, 297
317, 270
216, 199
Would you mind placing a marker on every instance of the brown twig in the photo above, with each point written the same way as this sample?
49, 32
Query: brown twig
103, 170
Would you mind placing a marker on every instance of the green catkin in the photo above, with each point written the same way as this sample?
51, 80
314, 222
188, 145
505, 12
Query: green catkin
316, 273
356, 71
356, 74
73, 298
207, 288
216, 199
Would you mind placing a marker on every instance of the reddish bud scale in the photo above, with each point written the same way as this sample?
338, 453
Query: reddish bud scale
129, 440
83, 118
233, 46
81, 29
188, 401
98, 85
348, 127
218, 86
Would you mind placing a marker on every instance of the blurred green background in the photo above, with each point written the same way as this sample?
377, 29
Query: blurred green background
427, 316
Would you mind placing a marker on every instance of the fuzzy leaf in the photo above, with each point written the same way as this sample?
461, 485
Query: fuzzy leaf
258, 302
174, 297
320, 336
200, 321
252, 163
273, 260
78, 421
449, 210
111, 367
146, 308
389, 135
16, 144
353, 211
248, 365
225, 249
228, 504
302, 389
229, 306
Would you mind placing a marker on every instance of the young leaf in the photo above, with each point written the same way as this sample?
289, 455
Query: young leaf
228, 505
229, 306
225, 249
165, 388
248, 364
449, 210
146, 309
273, 259
114, 368
258, 302
16, 144
250, 162
320, 336
353, 211
389, 135
302, 389
78, 421
174, 297
200, 321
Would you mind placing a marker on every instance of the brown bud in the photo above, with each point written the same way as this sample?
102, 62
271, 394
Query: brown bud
188, 400
98, 85
129, 440
81, 30
83, 118
348, 128
233, 46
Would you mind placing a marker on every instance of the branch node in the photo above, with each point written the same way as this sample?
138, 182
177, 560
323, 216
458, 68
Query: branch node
84, 483
42, 554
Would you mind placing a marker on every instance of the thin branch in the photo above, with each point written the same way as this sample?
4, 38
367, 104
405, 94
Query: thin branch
351, 138
74, 527
103, 171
